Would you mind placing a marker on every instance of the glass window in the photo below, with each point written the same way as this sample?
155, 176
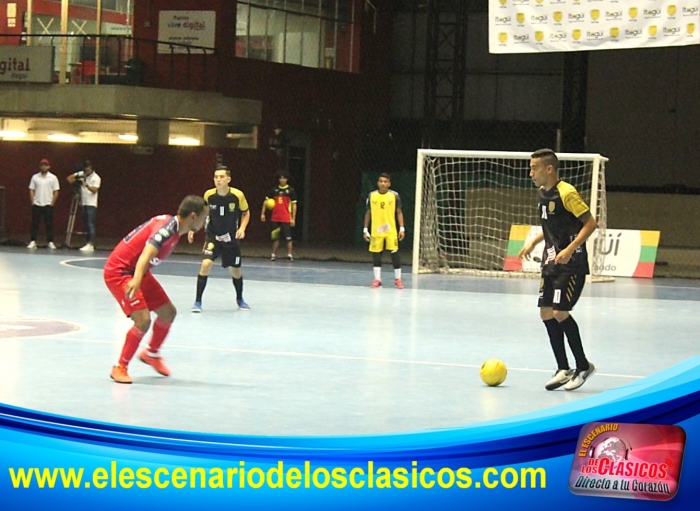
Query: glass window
311, 33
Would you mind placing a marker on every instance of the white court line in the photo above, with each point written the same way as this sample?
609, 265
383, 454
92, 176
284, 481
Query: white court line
66, 262
69, 262
327, 356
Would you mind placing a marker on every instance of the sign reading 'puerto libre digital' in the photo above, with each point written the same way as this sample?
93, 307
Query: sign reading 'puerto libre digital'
28, 64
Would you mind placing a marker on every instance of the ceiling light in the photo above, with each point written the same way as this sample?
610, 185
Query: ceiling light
61, 137
128, 136
12, 134
183, 141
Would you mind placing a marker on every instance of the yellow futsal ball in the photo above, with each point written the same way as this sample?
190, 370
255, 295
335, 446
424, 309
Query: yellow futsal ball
493, 372
270, 203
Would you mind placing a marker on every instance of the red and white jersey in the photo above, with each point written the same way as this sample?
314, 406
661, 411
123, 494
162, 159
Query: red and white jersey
161, 231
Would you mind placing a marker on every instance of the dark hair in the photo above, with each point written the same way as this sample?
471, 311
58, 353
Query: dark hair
86, 164
283, 173
191, 204
384, 174
548, 157
224, 168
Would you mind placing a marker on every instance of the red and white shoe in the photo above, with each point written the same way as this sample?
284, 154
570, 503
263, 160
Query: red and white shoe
398, 284
376, 283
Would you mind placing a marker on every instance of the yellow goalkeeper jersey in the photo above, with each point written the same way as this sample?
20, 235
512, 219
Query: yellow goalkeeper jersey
383, 208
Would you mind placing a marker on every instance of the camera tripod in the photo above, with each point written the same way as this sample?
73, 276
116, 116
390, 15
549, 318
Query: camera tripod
74, 206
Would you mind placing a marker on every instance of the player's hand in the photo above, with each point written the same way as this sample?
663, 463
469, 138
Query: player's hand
262, 217
131, 288
525, 251
292, 222
240, 234
402, 235
365, 236
564, 256
190, 236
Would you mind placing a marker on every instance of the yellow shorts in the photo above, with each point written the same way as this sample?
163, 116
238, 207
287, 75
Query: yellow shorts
381, 243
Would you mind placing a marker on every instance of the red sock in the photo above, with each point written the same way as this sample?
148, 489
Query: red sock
131, 344
160, 331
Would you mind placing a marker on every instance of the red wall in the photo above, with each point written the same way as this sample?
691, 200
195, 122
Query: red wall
134, 187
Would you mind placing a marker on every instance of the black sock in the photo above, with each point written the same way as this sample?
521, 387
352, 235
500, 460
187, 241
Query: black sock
201, 284
396, 260
556, 339
238, 284
570, 328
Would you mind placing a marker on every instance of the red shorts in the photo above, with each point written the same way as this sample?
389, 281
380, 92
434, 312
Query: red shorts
150, 295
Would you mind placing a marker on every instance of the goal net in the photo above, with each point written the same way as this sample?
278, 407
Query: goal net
474, 210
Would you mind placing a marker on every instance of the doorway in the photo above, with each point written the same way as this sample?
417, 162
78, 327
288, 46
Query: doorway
296, 166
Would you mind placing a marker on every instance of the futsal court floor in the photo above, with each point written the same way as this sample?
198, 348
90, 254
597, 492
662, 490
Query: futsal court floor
320, 353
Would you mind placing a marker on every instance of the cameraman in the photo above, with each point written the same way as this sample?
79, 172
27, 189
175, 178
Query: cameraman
88, 183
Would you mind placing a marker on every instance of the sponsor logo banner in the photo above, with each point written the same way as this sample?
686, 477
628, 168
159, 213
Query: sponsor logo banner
529, 26
619, 252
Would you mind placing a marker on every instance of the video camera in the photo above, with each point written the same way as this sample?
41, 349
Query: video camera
79, 174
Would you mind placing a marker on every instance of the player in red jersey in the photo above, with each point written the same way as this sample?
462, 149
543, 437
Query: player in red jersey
128, 277
283, 215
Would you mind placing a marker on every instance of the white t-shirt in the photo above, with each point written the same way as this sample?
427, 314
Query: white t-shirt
43, 187
87, 198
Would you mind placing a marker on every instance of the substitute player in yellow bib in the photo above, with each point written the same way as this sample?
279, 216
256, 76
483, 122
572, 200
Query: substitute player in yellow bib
383, 210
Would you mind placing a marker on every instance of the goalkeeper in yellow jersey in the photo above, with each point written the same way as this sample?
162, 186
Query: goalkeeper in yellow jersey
383, 210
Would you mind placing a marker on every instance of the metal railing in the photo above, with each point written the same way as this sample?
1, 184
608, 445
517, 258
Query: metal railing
126, 60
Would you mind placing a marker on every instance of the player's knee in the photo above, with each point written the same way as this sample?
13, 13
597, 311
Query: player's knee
546, 313
167, 313
142, 321
560, 315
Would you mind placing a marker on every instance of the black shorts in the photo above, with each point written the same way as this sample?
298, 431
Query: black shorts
230, 252
284, 228
561, 292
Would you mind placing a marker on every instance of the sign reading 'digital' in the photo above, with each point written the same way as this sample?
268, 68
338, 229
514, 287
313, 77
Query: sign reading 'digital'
627, 253
191, 28
27, 64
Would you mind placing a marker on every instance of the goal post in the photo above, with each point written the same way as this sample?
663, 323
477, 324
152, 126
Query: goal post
475, 209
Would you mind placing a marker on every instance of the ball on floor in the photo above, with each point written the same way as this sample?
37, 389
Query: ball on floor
493, 372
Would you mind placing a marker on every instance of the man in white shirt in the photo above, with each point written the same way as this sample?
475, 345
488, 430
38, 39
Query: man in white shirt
43, 192
89, 183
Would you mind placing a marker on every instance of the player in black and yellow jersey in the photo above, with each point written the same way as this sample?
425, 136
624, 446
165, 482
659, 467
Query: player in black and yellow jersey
383, 209
566, 225
228, 219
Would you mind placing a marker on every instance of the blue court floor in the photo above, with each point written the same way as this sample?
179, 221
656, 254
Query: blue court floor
320, 353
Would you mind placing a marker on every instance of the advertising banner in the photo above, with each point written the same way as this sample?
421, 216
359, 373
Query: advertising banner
531, 26
627, 442
627, 253
192, 28
26, 64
